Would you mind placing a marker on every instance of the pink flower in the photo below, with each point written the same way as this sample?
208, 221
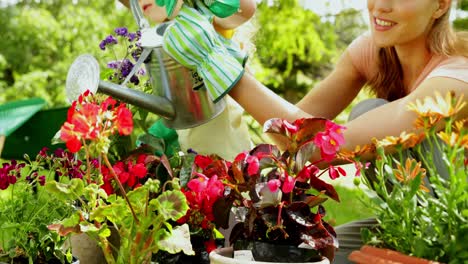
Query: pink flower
335, 132
198, 184
288, 184
334, 172
328, 146
307, 172
254, 165
291, 128
273, 185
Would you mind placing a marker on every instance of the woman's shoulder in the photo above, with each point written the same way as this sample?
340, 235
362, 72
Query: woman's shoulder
363, 53
455, 67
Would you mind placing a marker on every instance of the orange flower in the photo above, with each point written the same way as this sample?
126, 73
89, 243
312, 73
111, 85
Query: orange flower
431, 110
405, 140
454, 139
409, 173
357, 152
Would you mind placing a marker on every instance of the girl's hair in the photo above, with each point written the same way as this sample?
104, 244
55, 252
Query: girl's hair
442, 40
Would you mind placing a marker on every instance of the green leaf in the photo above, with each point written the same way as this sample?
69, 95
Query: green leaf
171, 205
66, 191
177, 241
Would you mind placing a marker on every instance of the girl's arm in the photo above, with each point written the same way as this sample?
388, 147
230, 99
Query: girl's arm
246, 11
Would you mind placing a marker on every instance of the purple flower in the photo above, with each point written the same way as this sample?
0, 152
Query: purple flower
113, 65
190, 150
102, 45
111, 40
121, 31
41, 180
126, 67
134, 79
132, 36
141, 71
43, 152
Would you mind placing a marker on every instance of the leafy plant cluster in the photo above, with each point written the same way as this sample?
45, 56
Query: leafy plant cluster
421, 193
277, 195
26, 209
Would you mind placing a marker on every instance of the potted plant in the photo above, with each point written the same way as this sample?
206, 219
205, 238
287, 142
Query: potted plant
420, 190
277, 195
112, 194
26, 209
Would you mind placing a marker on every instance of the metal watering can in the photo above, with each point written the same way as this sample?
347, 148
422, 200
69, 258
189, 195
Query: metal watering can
179, 95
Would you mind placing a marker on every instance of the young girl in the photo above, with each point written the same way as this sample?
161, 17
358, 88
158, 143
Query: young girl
227, 134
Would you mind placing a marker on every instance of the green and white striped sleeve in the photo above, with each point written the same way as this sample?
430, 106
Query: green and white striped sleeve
192, 41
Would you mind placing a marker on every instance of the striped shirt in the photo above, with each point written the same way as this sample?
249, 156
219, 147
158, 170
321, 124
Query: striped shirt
192, 41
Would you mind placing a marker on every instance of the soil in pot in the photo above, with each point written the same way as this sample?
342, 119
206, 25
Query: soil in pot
225, 256
265, 251
201, 255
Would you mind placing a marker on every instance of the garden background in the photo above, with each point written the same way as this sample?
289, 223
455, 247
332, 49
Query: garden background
295, 47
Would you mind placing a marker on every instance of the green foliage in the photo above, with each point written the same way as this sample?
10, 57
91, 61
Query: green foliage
420, 195
144, 228
26, 210
295, 46
463, 5
42, 38
349, 208
461, 23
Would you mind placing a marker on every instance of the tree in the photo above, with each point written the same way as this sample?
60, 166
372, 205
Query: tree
296, 47
462, 23
40, 40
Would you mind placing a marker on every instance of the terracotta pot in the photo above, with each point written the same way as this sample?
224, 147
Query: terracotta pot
88, 251
369, 254
225, 256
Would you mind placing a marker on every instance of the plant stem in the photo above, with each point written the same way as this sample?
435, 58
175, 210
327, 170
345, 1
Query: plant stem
124, 194
88, 165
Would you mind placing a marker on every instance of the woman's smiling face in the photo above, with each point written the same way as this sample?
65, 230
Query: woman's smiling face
395, 22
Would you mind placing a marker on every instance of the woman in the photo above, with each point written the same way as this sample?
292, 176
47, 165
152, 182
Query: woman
412, 52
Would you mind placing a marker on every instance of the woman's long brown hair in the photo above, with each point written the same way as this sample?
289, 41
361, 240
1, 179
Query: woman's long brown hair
442, 40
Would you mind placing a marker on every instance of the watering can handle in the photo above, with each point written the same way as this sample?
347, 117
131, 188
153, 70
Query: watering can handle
138, 15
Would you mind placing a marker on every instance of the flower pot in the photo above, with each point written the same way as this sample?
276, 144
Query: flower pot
225, 256
369, 254
88, 251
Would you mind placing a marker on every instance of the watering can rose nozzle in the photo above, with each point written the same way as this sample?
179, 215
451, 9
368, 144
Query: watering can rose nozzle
84, 75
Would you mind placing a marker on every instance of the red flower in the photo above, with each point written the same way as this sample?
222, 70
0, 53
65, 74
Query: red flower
87, 120
202, 161
124, 120
210, 245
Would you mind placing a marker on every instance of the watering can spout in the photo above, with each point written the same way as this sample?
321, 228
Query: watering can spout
174, 97
155, 104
